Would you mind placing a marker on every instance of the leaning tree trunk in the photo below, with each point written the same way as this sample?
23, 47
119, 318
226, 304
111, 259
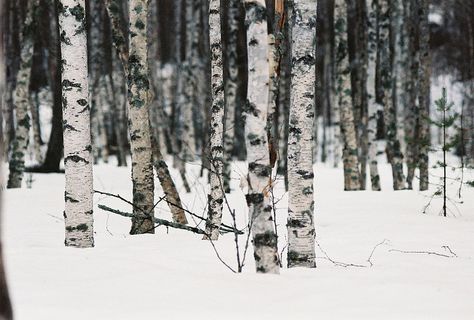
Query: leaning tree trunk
390, 118
231, 87
371, 93
5, 304
76, 125
259, 175
301, 232
424, 94
139, 124
216, 195
22, 100
343, 88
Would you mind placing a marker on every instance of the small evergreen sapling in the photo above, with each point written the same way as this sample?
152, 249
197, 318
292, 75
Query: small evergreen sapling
447, 124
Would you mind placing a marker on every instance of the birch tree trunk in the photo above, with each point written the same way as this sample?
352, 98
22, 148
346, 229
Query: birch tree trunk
190, 70
424, 94
301, 232
393, 144
76, 125
343, 89
400, 67
139, 127
231, 86
5, 304
21, 100
371, 93
412, 89
35, 124
259, 175
216, 195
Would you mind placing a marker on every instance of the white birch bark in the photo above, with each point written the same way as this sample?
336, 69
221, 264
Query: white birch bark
188, 140
400, 68
424, 95
35, 126
255, 113
76, 125
373, 107
343, 90
139, 126
393, 144
216, 194
301, 232
21, 99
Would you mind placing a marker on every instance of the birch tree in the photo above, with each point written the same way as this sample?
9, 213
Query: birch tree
76, 125
412, 89
216, 195
395, 155
139, 127
21, 100
231, 86
301, 232
424, 94
343, 90
190, 69
5, 304
373, 106
256, 140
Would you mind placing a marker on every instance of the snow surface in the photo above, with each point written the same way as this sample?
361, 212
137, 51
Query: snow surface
176, 275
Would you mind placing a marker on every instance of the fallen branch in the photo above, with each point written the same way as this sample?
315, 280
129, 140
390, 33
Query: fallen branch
223, 228
424, 252
338, 263
156, 220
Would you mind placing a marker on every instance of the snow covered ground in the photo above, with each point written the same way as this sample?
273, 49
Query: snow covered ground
176, 275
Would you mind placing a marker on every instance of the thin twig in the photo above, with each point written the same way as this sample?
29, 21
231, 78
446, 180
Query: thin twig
423, 252
373, 250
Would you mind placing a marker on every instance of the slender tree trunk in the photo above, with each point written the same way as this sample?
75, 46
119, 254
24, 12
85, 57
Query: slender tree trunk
76, 125
36, 128
343, 88
139, 126
372, 104
284, 97
190, 70
54, 152
390, 118
301, 232
216, 195
400, 67
5, 304
424, 94
231, 86
259, 175
412, 88
22, 100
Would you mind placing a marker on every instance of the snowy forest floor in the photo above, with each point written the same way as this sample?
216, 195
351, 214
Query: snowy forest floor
176, 275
